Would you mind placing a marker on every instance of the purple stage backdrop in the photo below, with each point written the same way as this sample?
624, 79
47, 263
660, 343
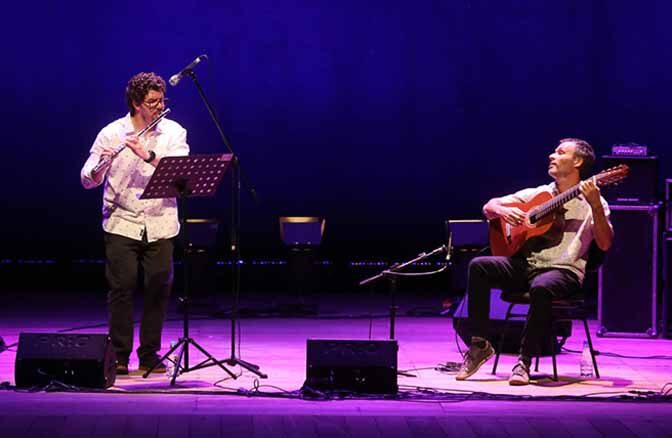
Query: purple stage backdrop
385, 117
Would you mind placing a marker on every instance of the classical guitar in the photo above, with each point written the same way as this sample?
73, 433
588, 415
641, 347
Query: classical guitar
507, 239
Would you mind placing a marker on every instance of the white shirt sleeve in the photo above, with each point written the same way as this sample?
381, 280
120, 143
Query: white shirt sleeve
178, 146
94, 157
525, 195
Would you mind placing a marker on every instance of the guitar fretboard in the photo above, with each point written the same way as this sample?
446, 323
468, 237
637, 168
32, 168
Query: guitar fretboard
554, 204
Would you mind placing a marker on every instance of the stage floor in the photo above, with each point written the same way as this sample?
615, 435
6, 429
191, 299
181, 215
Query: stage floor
208, 402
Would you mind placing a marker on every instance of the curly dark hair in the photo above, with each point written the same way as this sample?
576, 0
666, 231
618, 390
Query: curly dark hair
139, 85
585, 151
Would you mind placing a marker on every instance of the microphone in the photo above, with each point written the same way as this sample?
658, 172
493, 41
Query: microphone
175, 79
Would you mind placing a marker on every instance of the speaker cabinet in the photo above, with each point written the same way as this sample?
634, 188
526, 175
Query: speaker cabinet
628, 280
667, 288
368, 367
514, 330
85, 360
641, 185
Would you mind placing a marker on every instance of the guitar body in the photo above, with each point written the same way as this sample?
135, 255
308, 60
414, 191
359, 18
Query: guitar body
506, 240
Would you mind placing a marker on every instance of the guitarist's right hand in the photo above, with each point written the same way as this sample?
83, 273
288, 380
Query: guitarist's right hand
511, 215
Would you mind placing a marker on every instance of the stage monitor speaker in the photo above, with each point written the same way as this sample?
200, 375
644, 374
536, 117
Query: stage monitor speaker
514, 331
628, 281
641, 185
367, 367
85, 360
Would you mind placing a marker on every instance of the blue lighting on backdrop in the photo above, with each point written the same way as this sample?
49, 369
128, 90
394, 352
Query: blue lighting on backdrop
384, 117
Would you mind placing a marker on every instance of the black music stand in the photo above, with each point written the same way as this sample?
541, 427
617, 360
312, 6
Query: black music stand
182, 178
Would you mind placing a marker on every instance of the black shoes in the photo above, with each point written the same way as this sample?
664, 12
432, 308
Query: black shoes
146, 364
122, 369
474, 358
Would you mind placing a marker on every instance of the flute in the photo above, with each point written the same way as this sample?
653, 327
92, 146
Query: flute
105, 161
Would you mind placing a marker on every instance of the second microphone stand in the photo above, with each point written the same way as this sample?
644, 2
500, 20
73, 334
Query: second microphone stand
392, 273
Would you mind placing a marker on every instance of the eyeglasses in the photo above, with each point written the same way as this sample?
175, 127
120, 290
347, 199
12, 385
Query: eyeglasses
153, 103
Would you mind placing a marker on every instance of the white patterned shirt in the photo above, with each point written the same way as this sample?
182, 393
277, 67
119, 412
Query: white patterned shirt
124, 213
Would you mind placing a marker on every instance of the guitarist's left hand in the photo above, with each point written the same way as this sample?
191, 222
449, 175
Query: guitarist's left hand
603, 232
591, 192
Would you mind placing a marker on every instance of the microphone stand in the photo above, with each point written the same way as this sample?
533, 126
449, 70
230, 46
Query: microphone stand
391, 274
236, 176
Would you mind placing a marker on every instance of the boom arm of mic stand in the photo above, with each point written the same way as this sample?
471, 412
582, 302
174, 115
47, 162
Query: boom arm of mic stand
398, 267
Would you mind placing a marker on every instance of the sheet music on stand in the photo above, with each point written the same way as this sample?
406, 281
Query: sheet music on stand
193, 175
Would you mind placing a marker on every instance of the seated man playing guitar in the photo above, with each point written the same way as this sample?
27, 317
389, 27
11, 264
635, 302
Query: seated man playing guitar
539, 239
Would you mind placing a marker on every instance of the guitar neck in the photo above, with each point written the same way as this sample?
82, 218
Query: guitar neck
605, 178
554, 204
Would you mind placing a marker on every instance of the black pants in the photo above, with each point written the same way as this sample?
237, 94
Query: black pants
513, 274
123, 256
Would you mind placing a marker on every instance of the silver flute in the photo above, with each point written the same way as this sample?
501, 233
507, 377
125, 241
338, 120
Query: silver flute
107, 159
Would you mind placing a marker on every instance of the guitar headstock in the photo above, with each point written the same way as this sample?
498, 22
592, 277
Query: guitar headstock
612, 175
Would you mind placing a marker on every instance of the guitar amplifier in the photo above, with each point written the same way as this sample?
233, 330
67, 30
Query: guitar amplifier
641, 186
628, 280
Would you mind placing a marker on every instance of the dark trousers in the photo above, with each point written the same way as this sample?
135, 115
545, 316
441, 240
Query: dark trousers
123, 256
513, 274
